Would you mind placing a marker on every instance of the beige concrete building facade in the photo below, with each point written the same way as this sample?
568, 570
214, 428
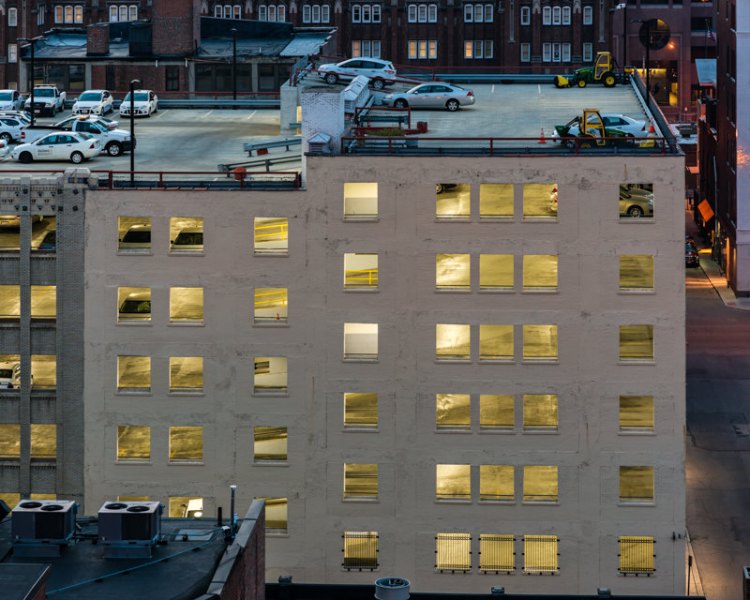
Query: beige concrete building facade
465, 371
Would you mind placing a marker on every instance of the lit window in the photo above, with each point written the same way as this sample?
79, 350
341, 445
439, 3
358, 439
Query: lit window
636, 272
185, 507
540, 483
37, 496
453, 482
453, 271
186, 305
360, 201
360, 550
10, 441
496, 342
271, 305
452, 341
43, 301
540, 200
496, 552
43, 371
270, 374
44, 441
277, 514
540, 342
185, 444
271, 235
10, 498
452, 411
636, 413
540, 412
496, 271
186, 235
496, 411
453, 201
185, 373
269, 443
540, 554
496, 482
496, 200
453, 552
636, 342
360, 481
10, 301
540, 272
360, 410
636, 554
636, 200
360, 341
134, 234
636, 484
360, 271
133, 305
134, 373
133, 442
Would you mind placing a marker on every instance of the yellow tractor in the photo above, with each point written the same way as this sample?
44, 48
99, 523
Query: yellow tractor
603, 72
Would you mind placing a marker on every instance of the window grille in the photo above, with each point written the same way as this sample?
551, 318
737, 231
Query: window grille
540, 554
453, 552
636, 555
360, 550
496, 552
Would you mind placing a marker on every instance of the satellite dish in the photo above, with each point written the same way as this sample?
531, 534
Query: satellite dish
654, 34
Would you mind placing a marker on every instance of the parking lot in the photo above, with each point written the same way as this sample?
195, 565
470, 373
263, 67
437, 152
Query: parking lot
200, 140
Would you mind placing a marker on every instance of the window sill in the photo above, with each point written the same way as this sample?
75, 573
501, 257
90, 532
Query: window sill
497, 219
121, 252
636, 503
362, 359
541, 503
532, 290
636, 432
133, 392
453, 290
361, 219
452, 219
133, 461
134, 323
530, 219
453, 361
508, 502
280, 324
453, 430
186, 463
259, 254
452, 501
360, 290
541, 361
637, 291
186, 323
186, 253
361, 429
346, 569
496, 361
270, 463
648, 362
196, 393
497, 430
271, 393
541, 431
497, 290
277, 533
367, 500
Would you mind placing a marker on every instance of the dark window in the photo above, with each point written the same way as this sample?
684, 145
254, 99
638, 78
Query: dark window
173, 79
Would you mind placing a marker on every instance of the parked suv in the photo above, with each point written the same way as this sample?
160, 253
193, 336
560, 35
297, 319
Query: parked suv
381, 72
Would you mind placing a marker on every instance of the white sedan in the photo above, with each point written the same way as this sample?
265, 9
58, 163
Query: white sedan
628, 125
432, 95
93, 102
145, 103
75, 147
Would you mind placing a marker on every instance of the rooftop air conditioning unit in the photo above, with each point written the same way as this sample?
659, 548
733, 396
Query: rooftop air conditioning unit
40, 527
320, 143
130, 523
357, 93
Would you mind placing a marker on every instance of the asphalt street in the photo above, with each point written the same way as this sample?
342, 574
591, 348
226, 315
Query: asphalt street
718, 434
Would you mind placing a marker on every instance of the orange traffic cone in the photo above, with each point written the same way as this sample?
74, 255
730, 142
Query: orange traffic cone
541, 139
651, 128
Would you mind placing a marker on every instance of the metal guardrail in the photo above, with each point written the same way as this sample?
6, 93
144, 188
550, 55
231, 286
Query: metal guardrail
282, 143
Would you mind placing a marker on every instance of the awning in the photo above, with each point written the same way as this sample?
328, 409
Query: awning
705, 69
706, 211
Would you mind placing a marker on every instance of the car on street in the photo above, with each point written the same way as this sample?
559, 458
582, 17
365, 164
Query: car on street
10, 100
96, 102
75, 147
432, 95
137, 237
691, 255
381, 72
11, 129
145, 103
189, 239
636, 201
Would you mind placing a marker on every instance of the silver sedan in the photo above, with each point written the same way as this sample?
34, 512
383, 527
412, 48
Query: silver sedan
432, 95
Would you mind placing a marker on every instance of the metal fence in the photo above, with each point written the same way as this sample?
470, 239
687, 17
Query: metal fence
496, 553
453, 552
360, 550
540, 554
637, 555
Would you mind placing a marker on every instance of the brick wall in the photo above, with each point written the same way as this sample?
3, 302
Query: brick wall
176, 27
97, 39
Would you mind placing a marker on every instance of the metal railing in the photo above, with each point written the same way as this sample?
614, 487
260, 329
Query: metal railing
496, 553
363, 278
636, 555
453, 552
360, 550
540, 554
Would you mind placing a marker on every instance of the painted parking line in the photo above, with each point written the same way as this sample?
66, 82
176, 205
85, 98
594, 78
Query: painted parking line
161, 113
251, 115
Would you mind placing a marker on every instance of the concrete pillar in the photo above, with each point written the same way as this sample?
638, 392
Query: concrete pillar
254, 77
289, 98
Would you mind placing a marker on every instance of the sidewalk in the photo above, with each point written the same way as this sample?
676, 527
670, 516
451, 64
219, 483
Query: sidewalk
713, 272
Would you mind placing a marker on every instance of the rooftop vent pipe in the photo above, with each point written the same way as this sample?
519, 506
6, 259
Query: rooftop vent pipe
392, 588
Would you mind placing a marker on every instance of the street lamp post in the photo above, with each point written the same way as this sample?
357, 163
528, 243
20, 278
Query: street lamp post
234, 63
623, 6
30, 78
133, 83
